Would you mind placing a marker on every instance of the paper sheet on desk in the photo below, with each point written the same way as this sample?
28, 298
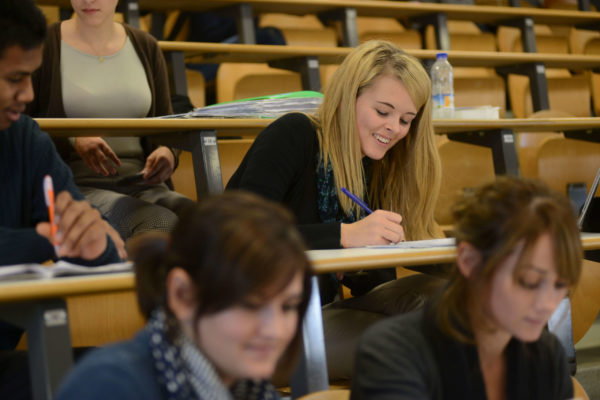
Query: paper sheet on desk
418, 244
60, 268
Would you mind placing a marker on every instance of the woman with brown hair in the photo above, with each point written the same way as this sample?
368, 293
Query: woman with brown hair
518, 253
224, 298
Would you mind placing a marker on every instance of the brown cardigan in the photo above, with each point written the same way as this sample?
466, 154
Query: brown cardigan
47, 82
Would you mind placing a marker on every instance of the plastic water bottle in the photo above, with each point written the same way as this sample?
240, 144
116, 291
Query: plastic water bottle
442, 87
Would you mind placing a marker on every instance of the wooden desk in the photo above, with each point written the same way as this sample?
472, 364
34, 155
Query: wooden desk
346, 11
372, 8
411, 13
199, 136
260, 53
39, 307
306, 59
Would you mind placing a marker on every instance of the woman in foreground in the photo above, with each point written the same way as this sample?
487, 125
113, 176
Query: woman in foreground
224, 298
518, 253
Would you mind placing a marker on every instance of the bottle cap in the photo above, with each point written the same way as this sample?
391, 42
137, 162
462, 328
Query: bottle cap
441, 55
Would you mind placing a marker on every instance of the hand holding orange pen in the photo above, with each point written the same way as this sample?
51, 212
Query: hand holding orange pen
49, 197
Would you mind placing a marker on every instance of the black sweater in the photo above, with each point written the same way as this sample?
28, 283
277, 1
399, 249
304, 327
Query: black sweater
281, 166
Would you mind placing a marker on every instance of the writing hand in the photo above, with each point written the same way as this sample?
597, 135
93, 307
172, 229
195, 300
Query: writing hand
81, 230
159, 165
97, 154
379, 228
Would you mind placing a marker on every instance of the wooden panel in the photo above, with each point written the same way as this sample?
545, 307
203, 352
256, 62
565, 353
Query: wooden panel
337, 394
568, 94
280, 21
100, 319
464, 166
528, 144
389, 29
240, 81
324, 37
482, 14
561, 161
183, 177
480, 90
585, 300
245, 53
579, 39
547, 41
196, 87
103, 318
464, 35
231, 153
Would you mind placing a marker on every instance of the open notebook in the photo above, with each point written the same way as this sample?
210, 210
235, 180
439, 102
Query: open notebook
60, 268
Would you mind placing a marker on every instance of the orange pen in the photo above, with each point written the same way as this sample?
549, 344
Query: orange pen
49, 197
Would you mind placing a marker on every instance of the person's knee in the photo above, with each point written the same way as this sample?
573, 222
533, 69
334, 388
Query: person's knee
154, 218
177, 203
134, 217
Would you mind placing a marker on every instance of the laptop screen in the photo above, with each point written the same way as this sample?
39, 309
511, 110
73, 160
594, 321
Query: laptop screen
588, 200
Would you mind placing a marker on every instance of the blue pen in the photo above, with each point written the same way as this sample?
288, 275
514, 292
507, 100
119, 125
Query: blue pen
358, 201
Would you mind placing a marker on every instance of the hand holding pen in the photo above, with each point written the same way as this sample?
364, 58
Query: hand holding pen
75, 228
379, 227
357, 200
49, 198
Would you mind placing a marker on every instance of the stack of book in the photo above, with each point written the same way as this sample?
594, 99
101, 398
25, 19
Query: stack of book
271, 106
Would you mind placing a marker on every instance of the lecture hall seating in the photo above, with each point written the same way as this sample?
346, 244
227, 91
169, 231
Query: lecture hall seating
484, 157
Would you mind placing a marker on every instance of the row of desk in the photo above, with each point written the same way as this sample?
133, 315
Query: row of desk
404, 11
413, 14
39, 306
306, 61
199, 136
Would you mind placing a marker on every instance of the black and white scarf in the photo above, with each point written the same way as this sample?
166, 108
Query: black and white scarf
183, 372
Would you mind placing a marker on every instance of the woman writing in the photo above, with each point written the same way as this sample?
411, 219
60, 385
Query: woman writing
372, 135
224, 299
96, 67
518, 252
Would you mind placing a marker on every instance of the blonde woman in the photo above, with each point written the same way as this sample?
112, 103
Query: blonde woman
518, 253
373, 135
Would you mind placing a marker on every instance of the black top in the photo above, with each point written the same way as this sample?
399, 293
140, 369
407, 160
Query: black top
26, 156
281, 166
407, 357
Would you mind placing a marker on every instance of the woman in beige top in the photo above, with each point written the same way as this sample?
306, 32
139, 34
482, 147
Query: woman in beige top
95, 67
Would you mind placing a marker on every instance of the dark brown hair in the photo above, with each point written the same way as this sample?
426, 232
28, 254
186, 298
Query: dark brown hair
231, 245
21, 24
495, 219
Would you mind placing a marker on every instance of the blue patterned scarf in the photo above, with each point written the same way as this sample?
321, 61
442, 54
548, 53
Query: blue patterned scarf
184, 373
328, 204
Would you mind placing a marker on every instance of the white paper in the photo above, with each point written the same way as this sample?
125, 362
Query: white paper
60, 268
418, 244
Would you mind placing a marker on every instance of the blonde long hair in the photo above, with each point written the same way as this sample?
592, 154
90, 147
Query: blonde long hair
407, 179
